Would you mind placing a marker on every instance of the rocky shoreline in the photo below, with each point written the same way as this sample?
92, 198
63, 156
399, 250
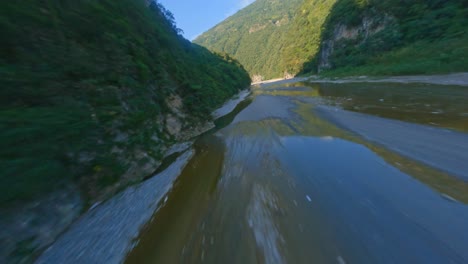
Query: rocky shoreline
106, 233
28, 229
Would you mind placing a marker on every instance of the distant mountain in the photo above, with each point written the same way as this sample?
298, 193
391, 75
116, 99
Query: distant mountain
255, 35
392, 37
345, 37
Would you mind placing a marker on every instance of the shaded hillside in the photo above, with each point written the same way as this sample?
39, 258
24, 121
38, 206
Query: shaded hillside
394, 37
255, 36
91, 87
92, 95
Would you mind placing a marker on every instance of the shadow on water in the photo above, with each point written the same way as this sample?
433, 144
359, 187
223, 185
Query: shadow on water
227, 119
164, 239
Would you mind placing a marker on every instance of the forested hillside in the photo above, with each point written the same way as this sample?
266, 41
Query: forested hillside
305, 35
255, 36
348, 37
91, 88
371, 37
92, 94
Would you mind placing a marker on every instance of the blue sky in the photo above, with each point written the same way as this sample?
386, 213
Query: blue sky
197, 16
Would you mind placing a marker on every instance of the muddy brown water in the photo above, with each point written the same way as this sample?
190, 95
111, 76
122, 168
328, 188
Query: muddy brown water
281, 184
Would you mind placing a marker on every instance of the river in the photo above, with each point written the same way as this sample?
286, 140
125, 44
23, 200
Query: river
323, 173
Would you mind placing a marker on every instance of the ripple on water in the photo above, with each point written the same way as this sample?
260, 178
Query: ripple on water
262, 206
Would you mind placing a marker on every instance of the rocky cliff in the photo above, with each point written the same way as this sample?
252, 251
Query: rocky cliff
392, 37
345, 36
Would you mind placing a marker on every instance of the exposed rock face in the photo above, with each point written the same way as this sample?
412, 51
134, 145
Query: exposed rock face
288, 75
369, 26
281, 22
256, 28
324, 55
173, 125
176, 121
174, 102
257, 78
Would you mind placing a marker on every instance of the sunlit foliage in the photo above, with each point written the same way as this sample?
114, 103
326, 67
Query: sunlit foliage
420, 27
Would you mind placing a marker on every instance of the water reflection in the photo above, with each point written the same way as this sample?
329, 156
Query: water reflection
366, 206
163, 241
280, 184
438, 180
435, 105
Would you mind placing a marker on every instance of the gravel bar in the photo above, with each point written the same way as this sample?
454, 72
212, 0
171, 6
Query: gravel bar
443, 149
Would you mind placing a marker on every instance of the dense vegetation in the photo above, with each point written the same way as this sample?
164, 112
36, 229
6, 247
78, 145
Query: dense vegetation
403, 37
84, 88
305, 35
343, 37
255, 36
75, 75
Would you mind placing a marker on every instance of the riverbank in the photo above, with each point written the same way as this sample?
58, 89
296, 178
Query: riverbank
442, 149
231, 104
283, 183
446, 156
281, 81
460, 79
106, 232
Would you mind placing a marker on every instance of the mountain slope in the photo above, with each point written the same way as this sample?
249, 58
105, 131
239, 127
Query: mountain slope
80, 72
254, 35
394, 37
347, 37
92, 94
305, 34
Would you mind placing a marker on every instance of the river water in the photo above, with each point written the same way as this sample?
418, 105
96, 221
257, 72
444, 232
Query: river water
279, 182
